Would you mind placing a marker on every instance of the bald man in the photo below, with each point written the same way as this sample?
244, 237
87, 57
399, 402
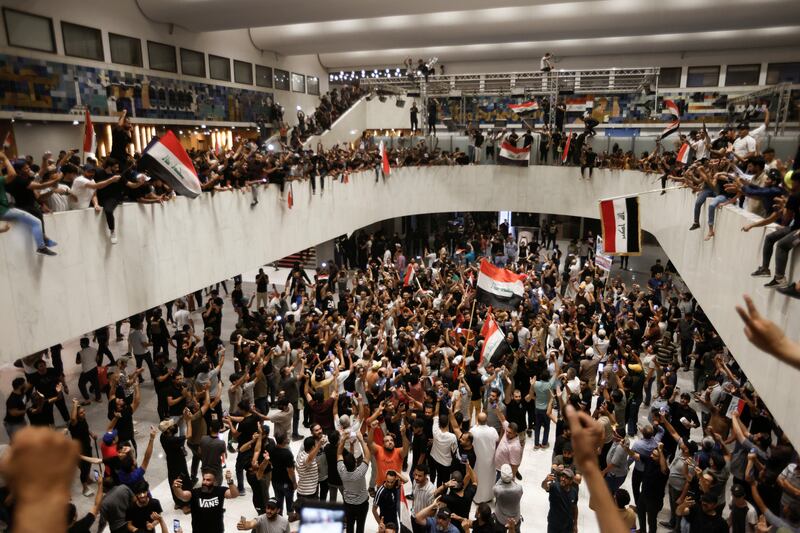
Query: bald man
484, 442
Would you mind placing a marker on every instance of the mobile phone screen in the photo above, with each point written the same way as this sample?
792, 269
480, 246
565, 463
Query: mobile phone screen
176, 525
321, 518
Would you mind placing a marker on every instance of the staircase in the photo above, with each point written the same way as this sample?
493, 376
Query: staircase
307, 258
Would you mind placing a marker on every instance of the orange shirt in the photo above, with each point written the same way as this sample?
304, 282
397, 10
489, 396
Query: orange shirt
387, 461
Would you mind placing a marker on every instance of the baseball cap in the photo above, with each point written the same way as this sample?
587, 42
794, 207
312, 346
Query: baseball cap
272, 502
737, 491
567, 472
88, 167
443, 513
109, 436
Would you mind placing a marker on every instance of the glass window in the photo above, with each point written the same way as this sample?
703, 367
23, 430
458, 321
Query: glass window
219, 68
702, 77
298, 83
742, 75
781, 72
281, 79
125, 50
263, 76
312, 84
162, 57
29, 31
82, 41
669, 77
193, 63
242, 72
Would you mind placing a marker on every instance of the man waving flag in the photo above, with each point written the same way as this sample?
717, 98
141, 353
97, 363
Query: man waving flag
499, 287
494, 340
671, 108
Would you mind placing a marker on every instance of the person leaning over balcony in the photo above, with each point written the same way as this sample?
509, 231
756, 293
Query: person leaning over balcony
13, 214
791, 219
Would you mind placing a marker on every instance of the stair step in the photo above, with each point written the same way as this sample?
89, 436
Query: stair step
307, 258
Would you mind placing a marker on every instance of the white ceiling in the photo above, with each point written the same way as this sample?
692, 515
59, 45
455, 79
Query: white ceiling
352, 33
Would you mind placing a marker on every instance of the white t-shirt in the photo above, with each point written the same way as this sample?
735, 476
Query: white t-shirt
57, 201
181, 318
744, 145
81, 192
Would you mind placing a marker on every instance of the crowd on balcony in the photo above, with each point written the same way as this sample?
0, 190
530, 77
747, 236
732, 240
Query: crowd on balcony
729, 168
374, 365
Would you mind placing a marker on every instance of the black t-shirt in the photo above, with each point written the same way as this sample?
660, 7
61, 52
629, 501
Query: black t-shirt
262, 282
124, 425
281, 460
45, 383
173, 450
475, 383
207, 510
23, 196
700, 522
562, 507
15, 401
176, 392
113, 190
140, 516
459, 505
80, 432
120, 139
247, 428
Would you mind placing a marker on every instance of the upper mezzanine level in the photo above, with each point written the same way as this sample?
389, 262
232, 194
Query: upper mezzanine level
171, 250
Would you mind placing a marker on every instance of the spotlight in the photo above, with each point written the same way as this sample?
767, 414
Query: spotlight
298, 108
270, 147
203, 126
74, 122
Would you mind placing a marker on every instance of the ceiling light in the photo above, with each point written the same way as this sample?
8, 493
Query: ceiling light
203, 126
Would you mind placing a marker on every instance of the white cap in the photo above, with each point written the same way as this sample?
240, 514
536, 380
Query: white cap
589, 352
601, 333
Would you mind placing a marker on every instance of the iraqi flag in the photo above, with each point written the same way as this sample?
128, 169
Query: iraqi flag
671, 108
511, 155
683, 154
524, 107
499, 287
621, 230
494, 340
89, 138
290, 197
385, 168
565, 153
406, 524
166, 159
408, 279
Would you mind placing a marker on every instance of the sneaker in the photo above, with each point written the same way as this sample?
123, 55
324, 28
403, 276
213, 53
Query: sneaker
114, 239
694, 226
242, 492
88, 491
44, 250
50, 242
776, 283
790, 290
761, 272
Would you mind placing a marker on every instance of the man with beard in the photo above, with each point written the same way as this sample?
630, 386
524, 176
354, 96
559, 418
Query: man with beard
387, 457
269, 522
207, 501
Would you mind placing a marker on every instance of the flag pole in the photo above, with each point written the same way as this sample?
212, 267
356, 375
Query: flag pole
83, 142
643, 192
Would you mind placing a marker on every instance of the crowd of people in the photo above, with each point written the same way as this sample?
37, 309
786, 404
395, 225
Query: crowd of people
401, 410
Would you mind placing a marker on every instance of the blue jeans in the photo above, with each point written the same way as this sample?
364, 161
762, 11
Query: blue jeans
712, 208
23, 217
541, 423
704, 195
284, 492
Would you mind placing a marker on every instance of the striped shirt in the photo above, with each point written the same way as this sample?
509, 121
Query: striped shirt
308, 475
354, 484
665, 352
423, 496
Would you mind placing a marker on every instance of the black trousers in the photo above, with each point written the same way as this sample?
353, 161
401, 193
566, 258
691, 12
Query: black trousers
356, 516
109, 205
90, 378
147, 358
